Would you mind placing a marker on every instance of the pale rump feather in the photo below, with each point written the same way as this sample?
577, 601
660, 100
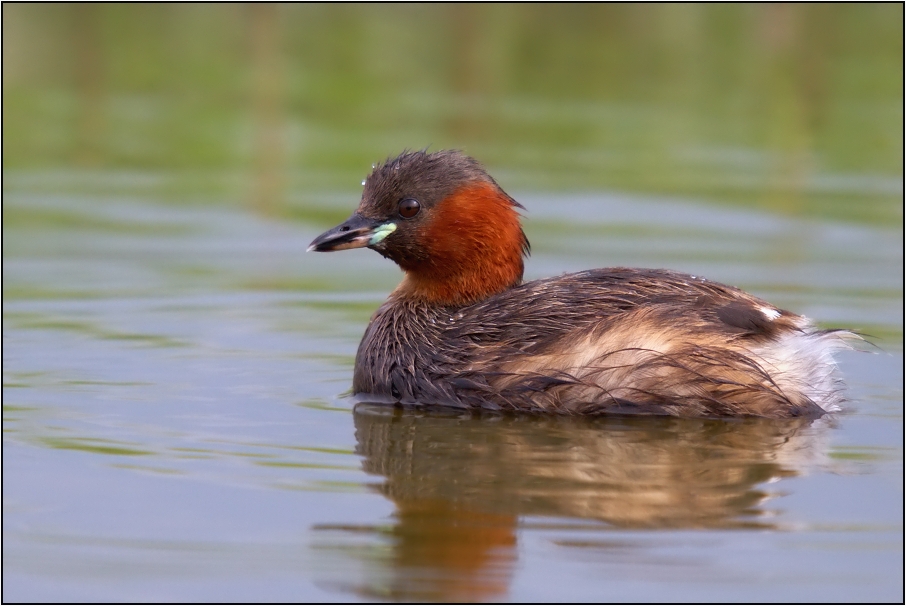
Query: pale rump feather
803, 362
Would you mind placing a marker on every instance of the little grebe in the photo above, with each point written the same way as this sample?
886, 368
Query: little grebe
463, 330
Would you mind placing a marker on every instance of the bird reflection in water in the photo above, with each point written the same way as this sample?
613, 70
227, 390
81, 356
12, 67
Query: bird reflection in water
461, 484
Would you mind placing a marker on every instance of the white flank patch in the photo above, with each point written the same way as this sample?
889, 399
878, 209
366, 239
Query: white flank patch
770, 314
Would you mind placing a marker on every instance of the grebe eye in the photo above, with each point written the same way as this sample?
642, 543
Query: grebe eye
409, 208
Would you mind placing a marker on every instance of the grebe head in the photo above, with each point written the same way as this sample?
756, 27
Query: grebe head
444, 221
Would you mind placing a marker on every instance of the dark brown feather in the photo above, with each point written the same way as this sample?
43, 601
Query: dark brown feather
473, 356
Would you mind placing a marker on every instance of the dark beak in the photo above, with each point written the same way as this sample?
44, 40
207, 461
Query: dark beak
356, 232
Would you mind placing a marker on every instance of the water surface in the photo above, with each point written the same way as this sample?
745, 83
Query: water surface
175, 427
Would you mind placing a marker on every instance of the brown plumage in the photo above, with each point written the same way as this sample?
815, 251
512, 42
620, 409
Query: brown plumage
463, 330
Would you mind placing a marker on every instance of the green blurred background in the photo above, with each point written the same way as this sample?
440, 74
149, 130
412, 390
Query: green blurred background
789, 108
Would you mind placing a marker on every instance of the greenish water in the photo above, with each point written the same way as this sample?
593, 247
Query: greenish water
174, 424
790, 108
